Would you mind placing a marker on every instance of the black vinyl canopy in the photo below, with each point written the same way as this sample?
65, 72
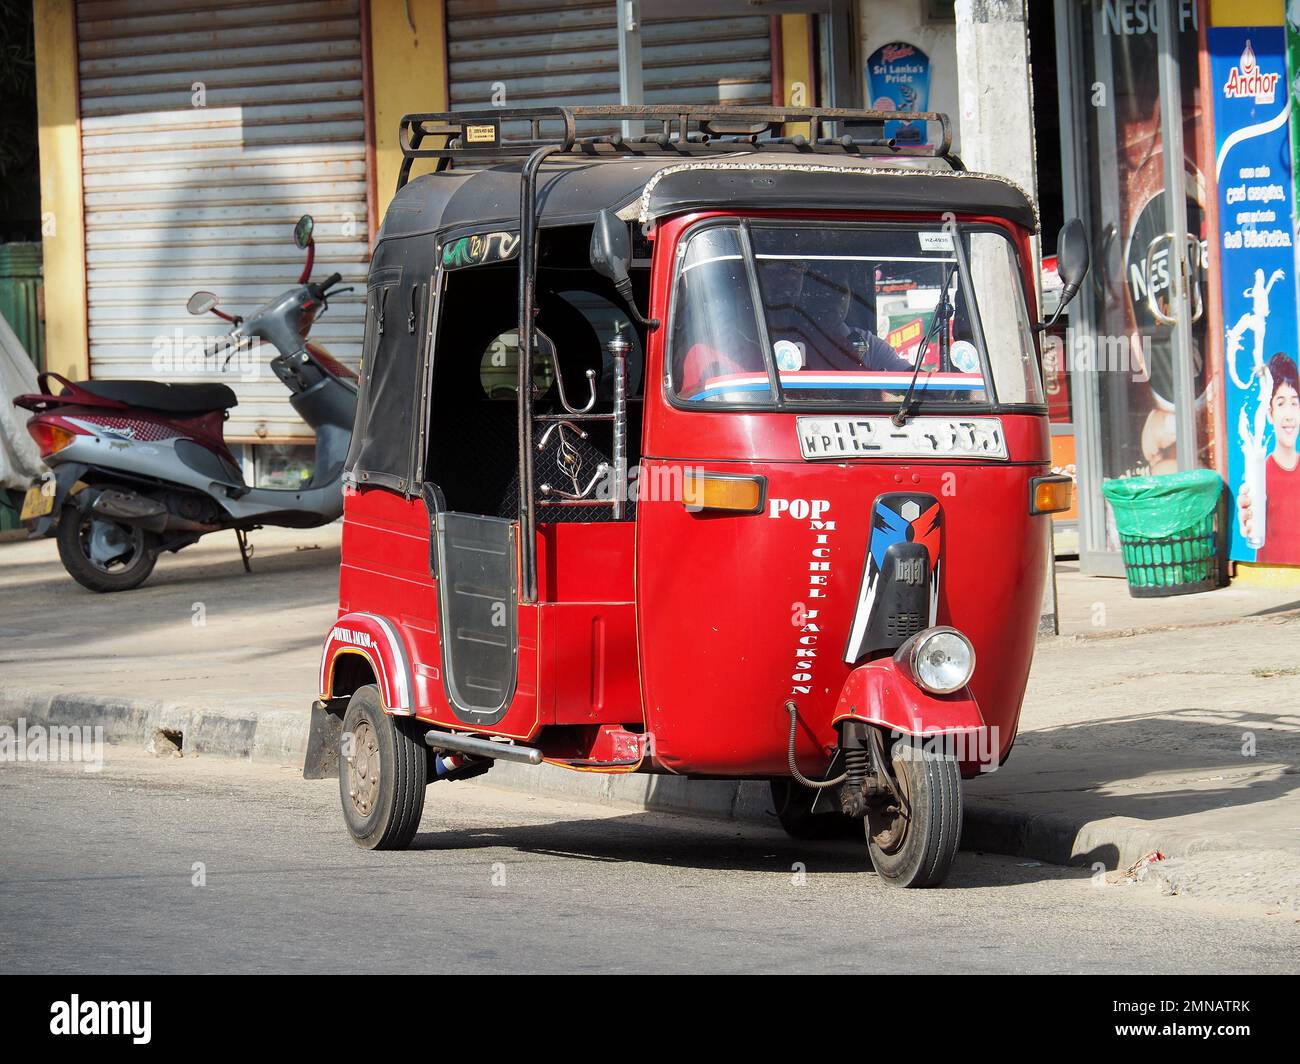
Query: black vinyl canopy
744, 184
572, 191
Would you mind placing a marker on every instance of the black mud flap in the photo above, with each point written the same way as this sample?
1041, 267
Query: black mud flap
324, 739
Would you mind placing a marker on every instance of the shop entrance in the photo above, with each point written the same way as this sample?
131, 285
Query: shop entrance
1135, 160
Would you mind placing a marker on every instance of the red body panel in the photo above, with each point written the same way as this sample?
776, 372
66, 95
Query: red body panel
727, 609
701, 625
577, 646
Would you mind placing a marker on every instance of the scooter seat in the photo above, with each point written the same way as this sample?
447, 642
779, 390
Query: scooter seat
168, 398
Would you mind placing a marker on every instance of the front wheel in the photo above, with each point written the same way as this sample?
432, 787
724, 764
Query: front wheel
104, 555
383, 770
912, 843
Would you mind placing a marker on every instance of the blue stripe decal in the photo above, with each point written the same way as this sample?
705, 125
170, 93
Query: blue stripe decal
857, 386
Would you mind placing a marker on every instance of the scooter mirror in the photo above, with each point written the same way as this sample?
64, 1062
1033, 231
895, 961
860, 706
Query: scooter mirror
302, 231
202, 302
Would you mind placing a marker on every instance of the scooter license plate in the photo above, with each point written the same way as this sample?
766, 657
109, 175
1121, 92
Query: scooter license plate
36, 503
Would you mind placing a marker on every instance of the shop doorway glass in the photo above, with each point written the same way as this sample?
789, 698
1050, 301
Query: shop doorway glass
1131, 110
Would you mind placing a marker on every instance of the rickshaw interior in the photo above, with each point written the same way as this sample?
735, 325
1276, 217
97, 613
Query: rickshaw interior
475, 384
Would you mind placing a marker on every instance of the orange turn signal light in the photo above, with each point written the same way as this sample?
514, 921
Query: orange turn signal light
723, 491
1051, 495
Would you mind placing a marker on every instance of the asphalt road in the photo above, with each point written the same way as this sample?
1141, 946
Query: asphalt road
99, 871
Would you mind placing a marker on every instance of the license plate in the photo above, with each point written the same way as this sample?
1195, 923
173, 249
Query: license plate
919, 437
36, 503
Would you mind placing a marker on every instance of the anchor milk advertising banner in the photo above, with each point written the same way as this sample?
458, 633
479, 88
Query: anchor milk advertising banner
1258, 278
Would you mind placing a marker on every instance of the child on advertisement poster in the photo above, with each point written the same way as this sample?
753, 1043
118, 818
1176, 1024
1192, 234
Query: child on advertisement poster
1274, 530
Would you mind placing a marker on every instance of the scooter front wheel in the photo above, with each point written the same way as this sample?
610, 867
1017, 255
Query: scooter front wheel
103, 555
913, 842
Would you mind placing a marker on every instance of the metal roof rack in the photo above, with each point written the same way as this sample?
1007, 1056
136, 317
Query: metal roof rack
686, 130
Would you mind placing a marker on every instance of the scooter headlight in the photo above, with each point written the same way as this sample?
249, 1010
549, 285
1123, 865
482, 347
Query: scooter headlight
940, 659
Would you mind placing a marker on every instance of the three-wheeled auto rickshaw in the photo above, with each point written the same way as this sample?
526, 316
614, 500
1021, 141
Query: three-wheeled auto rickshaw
700, 441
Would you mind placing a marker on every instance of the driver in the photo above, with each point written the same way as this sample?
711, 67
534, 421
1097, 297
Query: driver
810, 305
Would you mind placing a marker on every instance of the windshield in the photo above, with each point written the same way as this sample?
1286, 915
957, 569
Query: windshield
839, 315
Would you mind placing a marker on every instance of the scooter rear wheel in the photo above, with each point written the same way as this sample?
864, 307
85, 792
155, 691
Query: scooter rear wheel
103, 555
914, 845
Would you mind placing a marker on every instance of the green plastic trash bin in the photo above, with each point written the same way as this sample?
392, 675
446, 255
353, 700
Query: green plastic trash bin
1171, 531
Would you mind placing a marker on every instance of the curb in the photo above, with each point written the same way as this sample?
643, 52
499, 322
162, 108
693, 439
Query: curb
280, 737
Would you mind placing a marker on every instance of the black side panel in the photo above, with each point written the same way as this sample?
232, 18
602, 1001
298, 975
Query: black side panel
477, 598
201, 460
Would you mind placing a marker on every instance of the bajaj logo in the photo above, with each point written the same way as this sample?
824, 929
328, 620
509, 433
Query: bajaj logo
911, 571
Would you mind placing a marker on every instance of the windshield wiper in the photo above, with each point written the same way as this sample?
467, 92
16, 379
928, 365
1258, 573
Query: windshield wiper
943, 311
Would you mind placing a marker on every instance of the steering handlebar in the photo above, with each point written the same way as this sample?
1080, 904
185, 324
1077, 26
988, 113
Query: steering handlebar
318, 291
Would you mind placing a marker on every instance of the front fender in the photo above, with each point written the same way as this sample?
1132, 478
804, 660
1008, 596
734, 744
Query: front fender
880, 693
379, 641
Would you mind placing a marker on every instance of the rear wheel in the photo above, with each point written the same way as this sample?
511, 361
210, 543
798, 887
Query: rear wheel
913, 842
104, 555
383, 770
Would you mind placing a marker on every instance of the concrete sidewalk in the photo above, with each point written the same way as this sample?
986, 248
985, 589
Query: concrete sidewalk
1169, 724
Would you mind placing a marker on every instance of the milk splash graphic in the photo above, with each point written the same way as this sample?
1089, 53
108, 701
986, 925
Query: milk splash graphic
1254, 322
1255, 454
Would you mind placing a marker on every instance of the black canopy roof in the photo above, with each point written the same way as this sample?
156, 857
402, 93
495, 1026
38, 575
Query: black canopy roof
571, 191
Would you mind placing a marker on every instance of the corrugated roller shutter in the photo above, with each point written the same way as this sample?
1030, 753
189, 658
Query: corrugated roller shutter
519, 53
707, 60
180, 197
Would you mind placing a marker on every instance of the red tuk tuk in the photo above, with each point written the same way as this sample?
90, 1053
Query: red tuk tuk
765, 499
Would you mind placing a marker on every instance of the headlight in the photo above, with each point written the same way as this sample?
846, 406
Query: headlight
940, 659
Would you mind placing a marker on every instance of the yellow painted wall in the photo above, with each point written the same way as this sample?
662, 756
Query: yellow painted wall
408, 73
63, 222
797, 66
1246, 12
1249, 574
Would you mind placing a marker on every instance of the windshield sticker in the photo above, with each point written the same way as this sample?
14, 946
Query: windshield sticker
940, 241
789, 355
964, 356
479, 249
